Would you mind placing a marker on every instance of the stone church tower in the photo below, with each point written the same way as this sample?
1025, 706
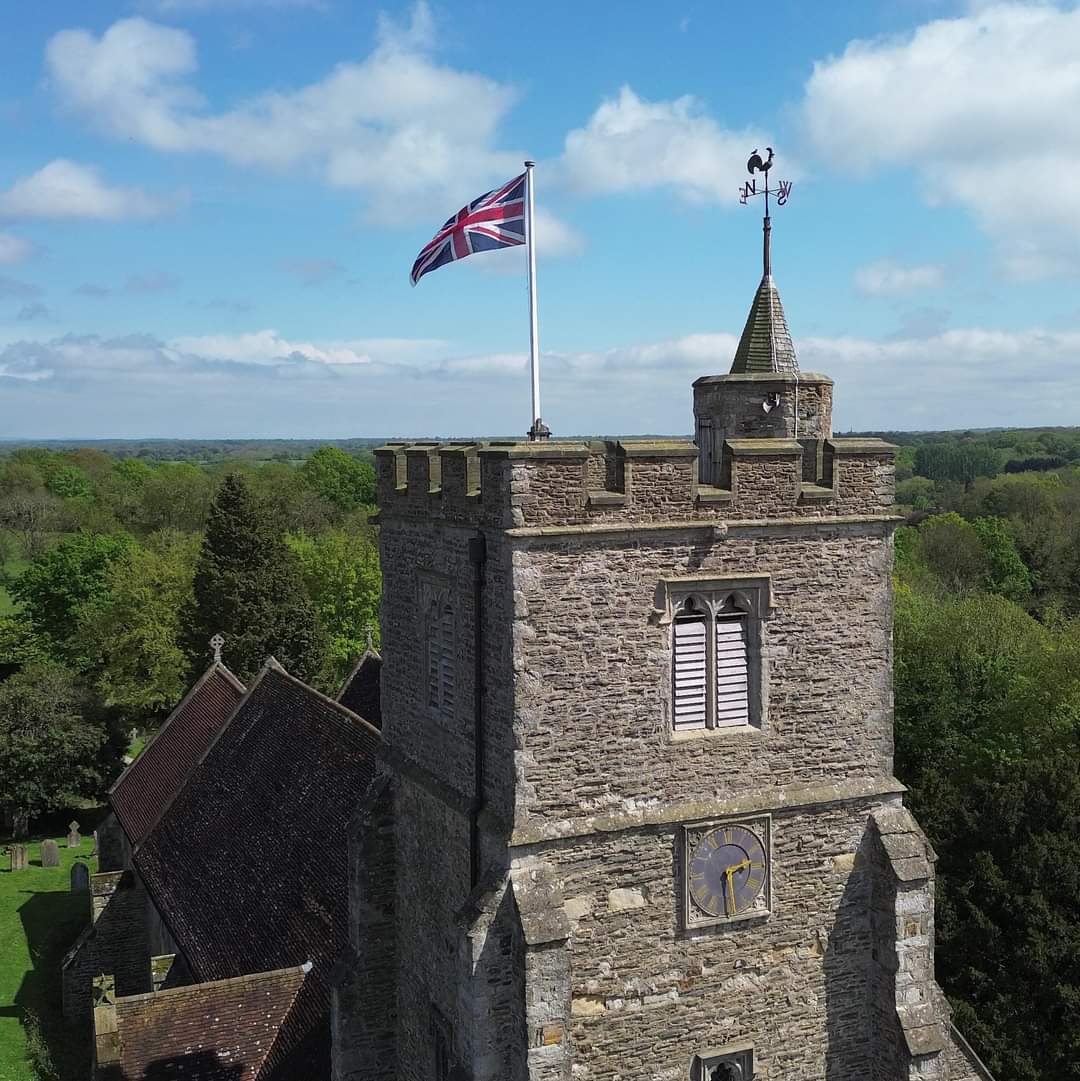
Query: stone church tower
637, 819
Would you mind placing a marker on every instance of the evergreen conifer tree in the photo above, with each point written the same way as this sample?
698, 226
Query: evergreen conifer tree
248, 587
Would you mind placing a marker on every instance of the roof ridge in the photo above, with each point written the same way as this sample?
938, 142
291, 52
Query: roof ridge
214, 667
368, 654
248, 977
202, 758
350, 715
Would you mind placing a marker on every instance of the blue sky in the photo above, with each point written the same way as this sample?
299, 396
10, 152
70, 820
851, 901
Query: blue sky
208, 211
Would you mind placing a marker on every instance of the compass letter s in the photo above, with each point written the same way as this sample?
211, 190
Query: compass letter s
783, 192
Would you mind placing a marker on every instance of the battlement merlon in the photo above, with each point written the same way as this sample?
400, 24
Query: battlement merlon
614, 483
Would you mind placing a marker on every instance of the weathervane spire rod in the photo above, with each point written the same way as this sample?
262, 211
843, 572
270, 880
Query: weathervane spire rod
757, 164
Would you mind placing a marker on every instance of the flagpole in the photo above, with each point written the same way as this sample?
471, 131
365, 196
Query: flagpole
538, 430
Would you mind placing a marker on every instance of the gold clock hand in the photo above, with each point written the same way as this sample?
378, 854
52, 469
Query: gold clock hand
731, 888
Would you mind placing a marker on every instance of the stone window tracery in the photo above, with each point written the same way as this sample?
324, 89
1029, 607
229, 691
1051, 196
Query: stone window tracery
717, 673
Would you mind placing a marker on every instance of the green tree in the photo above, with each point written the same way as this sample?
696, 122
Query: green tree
1008, 912
951, 549
340, 478
917, 492
248, 587
977, 680
175, 496
49, 750
131, 638
1006, 572
341, 572
62, 582
70, 482
122, 490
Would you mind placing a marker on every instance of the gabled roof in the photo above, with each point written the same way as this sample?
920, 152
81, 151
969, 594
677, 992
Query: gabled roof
146, 788
227, 1030
766, 345
361, 690
247, 867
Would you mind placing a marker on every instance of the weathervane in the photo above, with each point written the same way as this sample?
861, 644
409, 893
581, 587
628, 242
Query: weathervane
750, 189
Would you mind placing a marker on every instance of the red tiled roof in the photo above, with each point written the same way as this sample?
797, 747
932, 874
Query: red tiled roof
227, 1030
361, 691
146, 788
248, 865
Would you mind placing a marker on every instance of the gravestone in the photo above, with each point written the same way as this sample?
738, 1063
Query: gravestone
50, 854
95, 850
18, 857
74, 840
80, 877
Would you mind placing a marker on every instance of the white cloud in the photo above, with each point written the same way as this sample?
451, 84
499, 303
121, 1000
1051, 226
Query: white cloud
267, 347
886, 278
408, 132
980, 106
266, 383
14, 249
630, 144
66, 189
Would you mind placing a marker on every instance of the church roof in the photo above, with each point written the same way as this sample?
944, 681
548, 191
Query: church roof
765, 345
227, 1030
361, 690
247, 866
146, 788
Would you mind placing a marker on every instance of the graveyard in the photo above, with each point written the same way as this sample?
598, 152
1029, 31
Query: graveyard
40, 915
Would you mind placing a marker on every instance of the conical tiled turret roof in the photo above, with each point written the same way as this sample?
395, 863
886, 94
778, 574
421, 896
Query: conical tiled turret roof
766, 345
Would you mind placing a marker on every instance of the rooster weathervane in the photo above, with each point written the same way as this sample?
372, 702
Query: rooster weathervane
757, 164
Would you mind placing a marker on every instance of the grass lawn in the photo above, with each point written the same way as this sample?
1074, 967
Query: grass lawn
39, 919
12, 566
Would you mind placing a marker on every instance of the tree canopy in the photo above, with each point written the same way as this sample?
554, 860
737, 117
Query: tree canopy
247, 586
49, 751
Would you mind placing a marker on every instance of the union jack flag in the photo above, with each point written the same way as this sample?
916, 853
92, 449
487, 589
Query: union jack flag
495, 220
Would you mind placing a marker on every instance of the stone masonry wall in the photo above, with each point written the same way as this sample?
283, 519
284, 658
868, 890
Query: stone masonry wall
732, 403
593, 662
115, 943
647, 995
433, 962
363, 1014
441, 747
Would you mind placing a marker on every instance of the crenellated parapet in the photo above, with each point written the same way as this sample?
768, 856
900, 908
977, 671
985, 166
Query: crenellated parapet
538, 485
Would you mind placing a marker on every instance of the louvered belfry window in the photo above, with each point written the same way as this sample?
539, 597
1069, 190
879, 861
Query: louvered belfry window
732, 668
691, 669
711, 663
440, 654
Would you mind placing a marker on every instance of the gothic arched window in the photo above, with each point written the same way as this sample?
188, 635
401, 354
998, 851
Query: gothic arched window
716, 671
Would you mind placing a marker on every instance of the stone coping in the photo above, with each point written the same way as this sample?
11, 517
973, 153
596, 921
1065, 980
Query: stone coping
862, 446
631, 448
763, 377
749, 448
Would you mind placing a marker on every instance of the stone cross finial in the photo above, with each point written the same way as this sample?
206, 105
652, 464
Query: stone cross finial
215, 644
104, 990
370, 641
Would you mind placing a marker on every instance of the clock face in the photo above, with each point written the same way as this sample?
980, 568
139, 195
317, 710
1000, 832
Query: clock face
727, 870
